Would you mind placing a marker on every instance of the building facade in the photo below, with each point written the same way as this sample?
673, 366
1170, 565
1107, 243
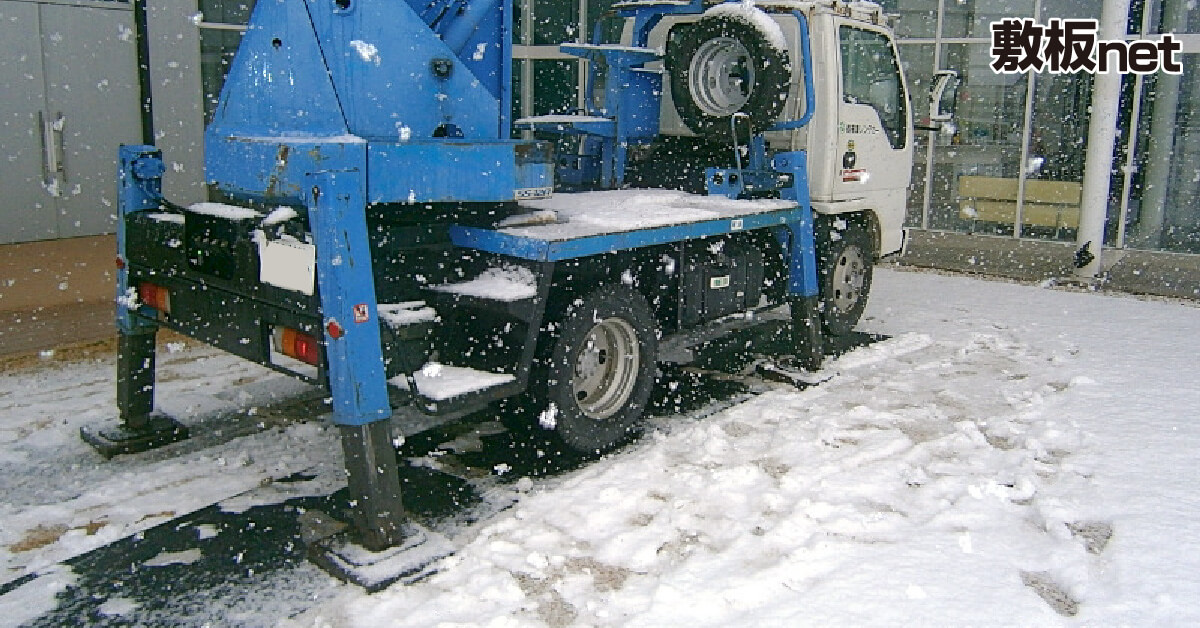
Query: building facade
1012, 168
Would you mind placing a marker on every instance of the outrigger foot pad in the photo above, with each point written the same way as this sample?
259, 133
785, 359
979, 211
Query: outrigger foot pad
117, 439
408, 562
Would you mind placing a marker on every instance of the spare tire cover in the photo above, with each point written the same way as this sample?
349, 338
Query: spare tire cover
723, 65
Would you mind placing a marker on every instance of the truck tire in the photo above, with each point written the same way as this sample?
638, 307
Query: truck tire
720, 66
601, 370
845, 265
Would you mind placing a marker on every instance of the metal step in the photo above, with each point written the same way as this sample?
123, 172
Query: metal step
591, 125
446, 389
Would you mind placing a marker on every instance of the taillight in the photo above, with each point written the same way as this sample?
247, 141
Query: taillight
155, 296
297, 345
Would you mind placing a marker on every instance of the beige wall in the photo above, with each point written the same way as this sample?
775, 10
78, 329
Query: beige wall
57, 272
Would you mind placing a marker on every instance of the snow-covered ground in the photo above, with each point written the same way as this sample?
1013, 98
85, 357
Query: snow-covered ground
1014, 455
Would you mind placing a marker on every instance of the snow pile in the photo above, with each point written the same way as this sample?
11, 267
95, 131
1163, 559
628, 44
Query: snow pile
617, 211
397, 315
165, 217
279, 215
746, 12
221, 210
747, 517
507, 283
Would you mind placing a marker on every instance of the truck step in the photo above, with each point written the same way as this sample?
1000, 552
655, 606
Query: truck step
441, 382
592, 125
457, 390
511, 291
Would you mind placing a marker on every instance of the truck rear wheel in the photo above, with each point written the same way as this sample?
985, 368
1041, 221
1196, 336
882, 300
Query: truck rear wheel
845, 265
721, 66
601, 369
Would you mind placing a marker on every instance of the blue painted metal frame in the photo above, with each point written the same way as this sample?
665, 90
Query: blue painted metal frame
335, 199
535, 249
426, 86
381, 54
757, 177
810, 94
140, 189
437, 172
797, 237
646, 17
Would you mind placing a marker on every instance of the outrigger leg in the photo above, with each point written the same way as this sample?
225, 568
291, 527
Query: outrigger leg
376, 552
803, 288
140, 428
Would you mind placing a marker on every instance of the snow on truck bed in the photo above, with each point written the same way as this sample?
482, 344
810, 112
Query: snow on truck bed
586, 214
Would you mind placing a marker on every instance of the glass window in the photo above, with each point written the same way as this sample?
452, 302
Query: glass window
917, 61
555, 22
975, 171
917, 18
973, 18
1057, 150
1164, 208
871, 76
217, 46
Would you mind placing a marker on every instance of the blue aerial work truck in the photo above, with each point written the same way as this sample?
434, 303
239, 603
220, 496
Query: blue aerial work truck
379, 227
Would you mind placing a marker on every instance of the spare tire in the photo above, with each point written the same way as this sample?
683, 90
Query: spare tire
723, 65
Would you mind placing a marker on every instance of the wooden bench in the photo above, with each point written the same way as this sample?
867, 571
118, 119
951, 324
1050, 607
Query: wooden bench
1047, 203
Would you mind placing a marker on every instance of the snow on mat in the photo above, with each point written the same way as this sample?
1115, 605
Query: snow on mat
440, 382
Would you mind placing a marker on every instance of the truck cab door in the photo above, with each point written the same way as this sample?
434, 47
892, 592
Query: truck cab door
873, 149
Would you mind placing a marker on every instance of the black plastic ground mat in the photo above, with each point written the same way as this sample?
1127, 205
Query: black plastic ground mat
211, 566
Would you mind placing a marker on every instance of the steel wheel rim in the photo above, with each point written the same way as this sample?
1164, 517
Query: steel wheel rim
721, 76
606, 368
849, 276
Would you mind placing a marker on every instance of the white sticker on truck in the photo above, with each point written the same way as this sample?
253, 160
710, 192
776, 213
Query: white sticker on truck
287, 264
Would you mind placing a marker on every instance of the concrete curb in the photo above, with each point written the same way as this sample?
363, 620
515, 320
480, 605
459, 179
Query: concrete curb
1127, 270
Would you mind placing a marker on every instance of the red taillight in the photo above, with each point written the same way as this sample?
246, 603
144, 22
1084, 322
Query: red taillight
155, 296
297, 345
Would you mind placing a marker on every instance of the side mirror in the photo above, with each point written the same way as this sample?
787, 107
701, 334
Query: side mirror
943, 96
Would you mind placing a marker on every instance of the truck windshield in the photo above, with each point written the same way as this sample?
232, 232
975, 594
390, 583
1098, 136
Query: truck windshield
871, 76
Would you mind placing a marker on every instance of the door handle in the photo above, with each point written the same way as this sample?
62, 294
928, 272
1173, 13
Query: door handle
60, 148
45, 141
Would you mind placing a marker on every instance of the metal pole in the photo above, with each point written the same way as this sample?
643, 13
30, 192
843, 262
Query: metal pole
527, 64
929, 151
1131, 153
1102, 136
357, 377
1026, 134
1161, 141
145, 89
582, 64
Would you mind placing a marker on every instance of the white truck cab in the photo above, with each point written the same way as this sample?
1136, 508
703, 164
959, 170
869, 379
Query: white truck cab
860, 140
